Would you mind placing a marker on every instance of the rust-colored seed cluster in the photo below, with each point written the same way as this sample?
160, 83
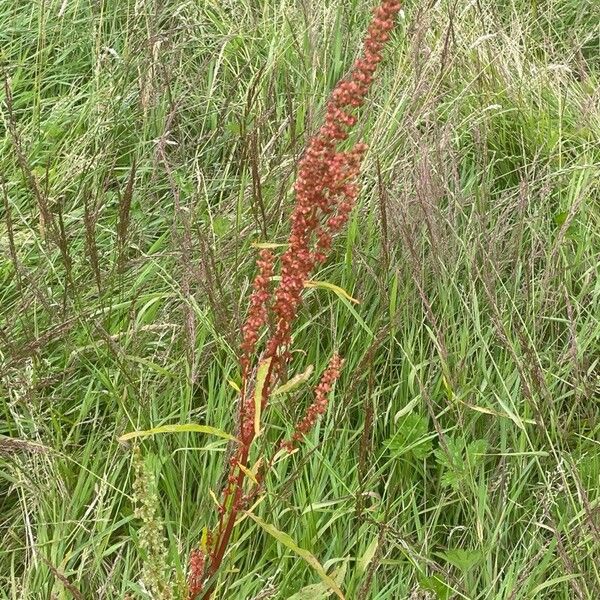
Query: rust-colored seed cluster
257, 314
325, 190
196, 572
319, 405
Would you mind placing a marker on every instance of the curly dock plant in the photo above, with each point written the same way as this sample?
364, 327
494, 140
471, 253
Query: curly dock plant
325, 193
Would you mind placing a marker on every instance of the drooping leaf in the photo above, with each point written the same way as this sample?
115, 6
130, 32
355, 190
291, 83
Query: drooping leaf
346, 299
406, 409
182, 428
261, 377
336, 289
307, 556
535, 592
293, 382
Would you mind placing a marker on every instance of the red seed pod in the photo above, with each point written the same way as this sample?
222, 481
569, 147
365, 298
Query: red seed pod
319, 405
196, 573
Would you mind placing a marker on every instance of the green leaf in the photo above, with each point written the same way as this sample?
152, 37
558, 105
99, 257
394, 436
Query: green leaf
221, 225
362, 564
462, 559
552, 582
412, 437
320, 591
561, 217
475, 452
309, 558
184, 428
460, 461
435, 584
316, 591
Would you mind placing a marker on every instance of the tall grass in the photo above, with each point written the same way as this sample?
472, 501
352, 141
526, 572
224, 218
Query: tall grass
146, 146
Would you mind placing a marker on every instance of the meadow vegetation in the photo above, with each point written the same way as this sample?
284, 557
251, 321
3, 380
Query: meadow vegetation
146, 147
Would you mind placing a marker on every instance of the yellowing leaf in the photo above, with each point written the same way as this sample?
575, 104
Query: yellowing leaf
320, 591
293, 382
512, 416
204, 540
184, 428
261, 376
447, 388
365, 560
256, 466
248, 473
289, 543
234, 385
336, 289
325, 285
214, 498
267, 245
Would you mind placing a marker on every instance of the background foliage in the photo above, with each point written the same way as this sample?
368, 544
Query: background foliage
145, 145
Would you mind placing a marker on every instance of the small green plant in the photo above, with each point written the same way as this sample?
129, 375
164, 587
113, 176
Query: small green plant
460, 460
156, 576
412, 437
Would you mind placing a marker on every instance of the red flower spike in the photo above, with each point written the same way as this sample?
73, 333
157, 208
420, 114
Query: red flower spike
325, 193
319, 405
196, 573
257, 314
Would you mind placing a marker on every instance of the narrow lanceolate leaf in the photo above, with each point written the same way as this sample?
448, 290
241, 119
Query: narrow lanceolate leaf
204, 540
320, 591
234, 385
365, 560
336, 289
214, 498
289, 543
248, 473
293, 382
261, 377
325, 285
183, 428
268, 245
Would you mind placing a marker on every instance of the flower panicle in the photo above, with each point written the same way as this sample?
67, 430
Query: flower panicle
319, 404
197, 564
326, 188
257, 314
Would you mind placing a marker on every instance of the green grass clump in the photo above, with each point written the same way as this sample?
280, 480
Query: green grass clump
146, 145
